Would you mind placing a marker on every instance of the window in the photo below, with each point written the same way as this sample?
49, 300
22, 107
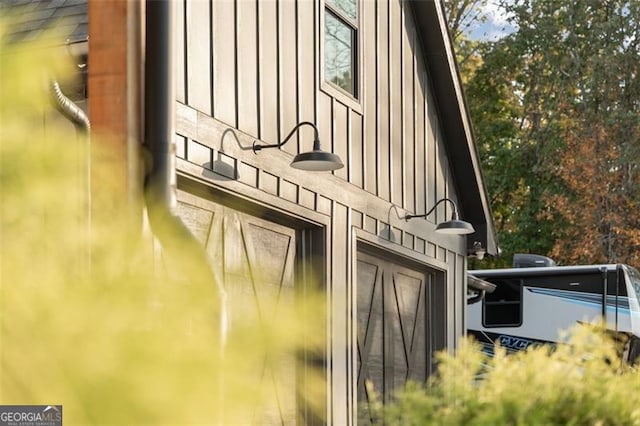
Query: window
503, 307
340, 45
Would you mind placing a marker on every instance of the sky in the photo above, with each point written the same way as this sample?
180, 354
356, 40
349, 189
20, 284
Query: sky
496, 25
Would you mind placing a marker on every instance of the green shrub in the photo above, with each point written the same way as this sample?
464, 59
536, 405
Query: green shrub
581, 383
90, 318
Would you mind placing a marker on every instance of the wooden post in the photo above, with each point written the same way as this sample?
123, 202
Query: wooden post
115, 63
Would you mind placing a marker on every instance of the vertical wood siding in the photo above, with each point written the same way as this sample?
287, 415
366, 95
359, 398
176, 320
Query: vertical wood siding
268, 71
370, 92
288, 75
222, 34
395, 102
254, 67
180, 51
198, 35
247, 59
383, 139
408, 109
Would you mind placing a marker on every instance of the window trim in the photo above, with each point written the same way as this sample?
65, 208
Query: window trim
329, 88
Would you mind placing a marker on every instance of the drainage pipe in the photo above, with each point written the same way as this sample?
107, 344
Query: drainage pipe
178, 243
70, 110
80, 120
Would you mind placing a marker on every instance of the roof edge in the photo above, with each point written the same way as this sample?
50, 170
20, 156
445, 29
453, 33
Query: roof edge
437, 50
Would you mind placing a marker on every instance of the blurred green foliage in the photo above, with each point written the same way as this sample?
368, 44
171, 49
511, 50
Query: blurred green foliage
90, 317
583, 382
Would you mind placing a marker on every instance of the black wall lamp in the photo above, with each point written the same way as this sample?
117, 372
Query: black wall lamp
454, 226
316, 160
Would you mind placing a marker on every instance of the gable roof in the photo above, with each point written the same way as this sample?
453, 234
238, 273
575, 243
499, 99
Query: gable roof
31, 19
462, 153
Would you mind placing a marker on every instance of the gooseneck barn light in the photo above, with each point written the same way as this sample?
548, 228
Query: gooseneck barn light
454, 226
316, 160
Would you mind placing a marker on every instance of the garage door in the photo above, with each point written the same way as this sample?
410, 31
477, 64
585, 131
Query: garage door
393, 340
256, 260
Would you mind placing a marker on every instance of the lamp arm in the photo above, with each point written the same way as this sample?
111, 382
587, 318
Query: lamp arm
316, 140
455, 210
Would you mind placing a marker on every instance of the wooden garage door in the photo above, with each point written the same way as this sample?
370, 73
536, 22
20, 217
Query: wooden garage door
255, 258
392, 325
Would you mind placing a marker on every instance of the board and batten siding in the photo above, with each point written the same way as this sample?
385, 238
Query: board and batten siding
251, 70
255, 66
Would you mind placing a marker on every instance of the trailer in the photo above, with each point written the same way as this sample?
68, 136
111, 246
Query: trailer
536, 301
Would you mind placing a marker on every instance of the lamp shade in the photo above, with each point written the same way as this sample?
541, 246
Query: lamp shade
455, 227
317, 161
313, 161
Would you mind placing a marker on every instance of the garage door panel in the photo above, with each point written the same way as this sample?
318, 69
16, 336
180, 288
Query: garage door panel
197, 219
271, 254
370, 327
419, 347
256, 260
395, 362
392, 324
236, 262
367, 277
407, 294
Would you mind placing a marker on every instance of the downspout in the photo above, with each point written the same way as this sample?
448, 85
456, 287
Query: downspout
80, 120
178, 243
70, 110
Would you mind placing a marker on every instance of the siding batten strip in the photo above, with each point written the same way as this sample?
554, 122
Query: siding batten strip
395, 103
199, 40
268, 86
403, 116
305, 69
180, 52
224, 62
247, 66
212, 55
288, 78
258, 73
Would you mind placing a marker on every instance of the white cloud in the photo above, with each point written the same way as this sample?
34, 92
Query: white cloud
496, 26
495, 14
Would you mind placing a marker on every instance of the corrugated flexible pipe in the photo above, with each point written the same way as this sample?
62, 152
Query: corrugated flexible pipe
70, 110
80, 120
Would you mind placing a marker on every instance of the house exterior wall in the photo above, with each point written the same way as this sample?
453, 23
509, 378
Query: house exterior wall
256, 67
252, 70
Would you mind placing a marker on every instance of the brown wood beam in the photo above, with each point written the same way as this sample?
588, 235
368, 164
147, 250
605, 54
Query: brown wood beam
114, 107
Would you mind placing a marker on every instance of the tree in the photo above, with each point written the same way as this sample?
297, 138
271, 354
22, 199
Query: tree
462, 16
555, 112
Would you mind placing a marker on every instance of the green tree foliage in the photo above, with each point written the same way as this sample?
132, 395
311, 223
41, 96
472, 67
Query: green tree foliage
462, 15
555, 110
579, 383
